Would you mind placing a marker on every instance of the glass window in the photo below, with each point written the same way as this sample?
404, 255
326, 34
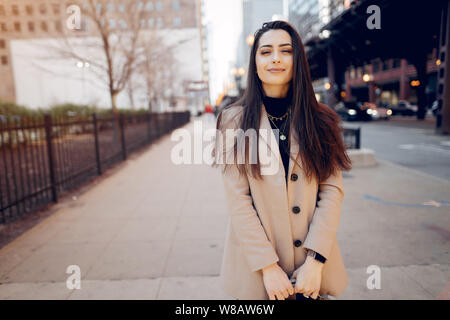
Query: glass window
29, 9
58, 26
159, 6
2, 44
43, 8
112, 23
151, 23
396, 63
110, 7
4, 60
56, 9
149, 6
176, 21
159, 22
15, 9
121, 7
17, 26
375, 66
142, 23
44, 26
176, 5
2, 10
140, 5
4, 27
123, 24
99, 8
31, 26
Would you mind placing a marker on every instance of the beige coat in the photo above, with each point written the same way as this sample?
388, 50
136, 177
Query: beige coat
256, 239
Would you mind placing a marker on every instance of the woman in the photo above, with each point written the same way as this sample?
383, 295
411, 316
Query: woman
283, 223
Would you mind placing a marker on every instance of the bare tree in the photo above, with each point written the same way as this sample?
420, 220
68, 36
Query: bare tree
108, 42
159, 69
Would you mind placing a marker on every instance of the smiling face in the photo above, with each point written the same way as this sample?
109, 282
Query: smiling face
274, 62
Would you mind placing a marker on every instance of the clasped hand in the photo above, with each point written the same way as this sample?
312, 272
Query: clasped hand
308, 277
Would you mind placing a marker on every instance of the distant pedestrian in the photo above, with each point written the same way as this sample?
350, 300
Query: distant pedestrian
283, 224
209, 113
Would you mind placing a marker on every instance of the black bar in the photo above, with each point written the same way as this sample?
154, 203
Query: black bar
122, 136
13, 169
19, 154
149, 127
51, 166
43, 166
36, 172
27, 164
358, 138
97, 147
2, 210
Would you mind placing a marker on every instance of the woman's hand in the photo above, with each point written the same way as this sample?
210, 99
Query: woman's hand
308, 277
277, 282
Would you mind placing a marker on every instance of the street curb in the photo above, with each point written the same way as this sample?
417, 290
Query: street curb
362, 158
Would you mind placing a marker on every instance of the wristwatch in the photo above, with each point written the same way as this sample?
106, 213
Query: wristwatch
316, 256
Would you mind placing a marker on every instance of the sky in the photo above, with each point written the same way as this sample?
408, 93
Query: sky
225, 18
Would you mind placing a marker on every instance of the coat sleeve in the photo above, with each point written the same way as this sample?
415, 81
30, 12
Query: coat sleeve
245, 223
325, 222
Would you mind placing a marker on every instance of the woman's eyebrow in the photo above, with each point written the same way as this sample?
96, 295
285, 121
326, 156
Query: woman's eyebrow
281, 45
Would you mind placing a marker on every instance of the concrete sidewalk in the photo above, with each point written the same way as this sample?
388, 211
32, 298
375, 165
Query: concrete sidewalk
155, 230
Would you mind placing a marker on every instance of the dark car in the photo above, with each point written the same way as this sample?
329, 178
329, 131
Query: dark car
404, 108
352, 111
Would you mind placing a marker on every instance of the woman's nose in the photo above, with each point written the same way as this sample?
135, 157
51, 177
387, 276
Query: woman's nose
275, 58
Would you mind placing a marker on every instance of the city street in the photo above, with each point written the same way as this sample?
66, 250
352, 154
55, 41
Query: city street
408, 142
146, 232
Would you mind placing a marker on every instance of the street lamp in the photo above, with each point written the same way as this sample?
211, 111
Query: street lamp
238, 73
250, 39
83, 65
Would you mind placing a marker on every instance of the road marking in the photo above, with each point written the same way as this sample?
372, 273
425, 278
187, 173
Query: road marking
424, 147
429, 203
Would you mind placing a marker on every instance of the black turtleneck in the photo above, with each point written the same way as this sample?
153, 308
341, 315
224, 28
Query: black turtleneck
277, 107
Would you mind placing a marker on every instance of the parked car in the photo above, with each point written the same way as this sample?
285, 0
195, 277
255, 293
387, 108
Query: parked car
352, 111
434, 108
377, 112
404, 108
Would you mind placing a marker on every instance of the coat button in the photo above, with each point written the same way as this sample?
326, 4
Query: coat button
297, 243
294, 177
296, 209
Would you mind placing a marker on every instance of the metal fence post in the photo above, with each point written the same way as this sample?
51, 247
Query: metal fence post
51, 163
122, 136
358, 138
97, 149
149, 128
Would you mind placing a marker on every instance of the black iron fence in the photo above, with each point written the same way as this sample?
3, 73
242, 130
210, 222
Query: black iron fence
42, 158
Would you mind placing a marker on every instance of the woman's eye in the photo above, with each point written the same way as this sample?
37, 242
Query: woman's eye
265, 52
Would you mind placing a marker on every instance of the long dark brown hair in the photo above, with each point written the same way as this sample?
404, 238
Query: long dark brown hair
321, 148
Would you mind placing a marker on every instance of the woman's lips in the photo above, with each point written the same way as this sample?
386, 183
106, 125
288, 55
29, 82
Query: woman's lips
276, 70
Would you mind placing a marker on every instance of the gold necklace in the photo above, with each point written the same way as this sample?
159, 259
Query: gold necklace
282, 136
277, 118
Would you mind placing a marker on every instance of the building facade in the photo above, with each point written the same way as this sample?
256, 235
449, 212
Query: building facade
34, 20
